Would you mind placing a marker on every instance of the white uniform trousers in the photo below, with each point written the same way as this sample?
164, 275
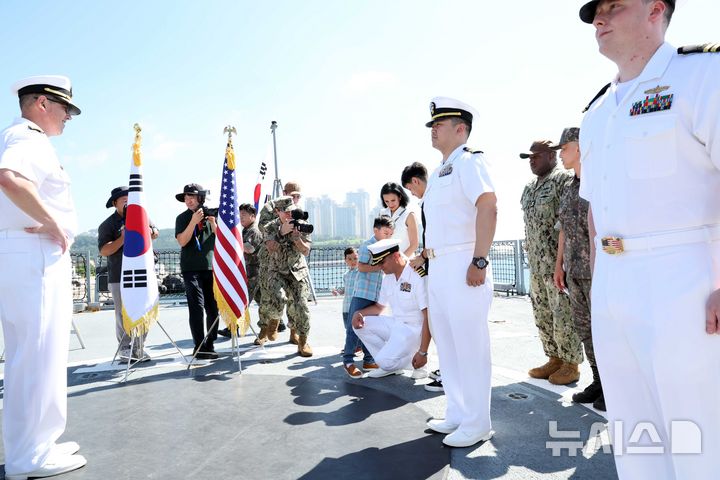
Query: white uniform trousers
36, 311
458, 317
656, 362
392, 342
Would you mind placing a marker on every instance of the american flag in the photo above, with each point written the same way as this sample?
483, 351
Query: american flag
230, 286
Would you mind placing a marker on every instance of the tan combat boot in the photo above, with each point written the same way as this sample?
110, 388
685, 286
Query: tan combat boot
544, 371
262, 336
272, 329
294, 339
303, 348
568, 373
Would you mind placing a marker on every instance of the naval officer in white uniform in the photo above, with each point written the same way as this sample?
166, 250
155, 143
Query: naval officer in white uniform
400, 341
461, 213
650, 146
37, 226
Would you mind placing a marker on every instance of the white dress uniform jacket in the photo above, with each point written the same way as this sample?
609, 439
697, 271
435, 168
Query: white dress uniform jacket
457, 312
393, 340
35, 302
651, 172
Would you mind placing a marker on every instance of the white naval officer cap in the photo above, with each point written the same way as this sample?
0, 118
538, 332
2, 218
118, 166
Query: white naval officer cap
382, 248
56, 87
444, 107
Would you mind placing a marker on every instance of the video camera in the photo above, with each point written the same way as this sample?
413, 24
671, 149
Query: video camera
209, 212
299, 221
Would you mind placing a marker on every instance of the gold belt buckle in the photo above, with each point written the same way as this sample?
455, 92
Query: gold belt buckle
429, 253
612, 245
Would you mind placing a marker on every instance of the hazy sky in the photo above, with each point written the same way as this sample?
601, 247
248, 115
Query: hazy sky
349, 83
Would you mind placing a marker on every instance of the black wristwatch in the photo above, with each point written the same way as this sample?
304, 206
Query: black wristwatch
480, 262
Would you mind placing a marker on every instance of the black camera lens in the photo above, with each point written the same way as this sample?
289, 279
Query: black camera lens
304, 228
298, 214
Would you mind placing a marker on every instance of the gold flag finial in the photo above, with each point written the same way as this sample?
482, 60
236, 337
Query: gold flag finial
229, 152
136, 146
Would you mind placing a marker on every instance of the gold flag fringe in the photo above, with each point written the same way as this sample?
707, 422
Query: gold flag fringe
141, 326
228, 316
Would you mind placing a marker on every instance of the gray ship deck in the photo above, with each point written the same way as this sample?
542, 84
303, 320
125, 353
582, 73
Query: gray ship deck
286, 417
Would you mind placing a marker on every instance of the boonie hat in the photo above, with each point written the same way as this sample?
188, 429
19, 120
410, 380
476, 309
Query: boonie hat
192, 189
116, 193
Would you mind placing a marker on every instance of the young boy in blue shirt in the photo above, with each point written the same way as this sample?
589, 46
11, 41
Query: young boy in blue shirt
366, 291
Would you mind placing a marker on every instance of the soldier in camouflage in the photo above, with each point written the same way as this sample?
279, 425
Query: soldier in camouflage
572, 267
540, 203
286, 269
267, 214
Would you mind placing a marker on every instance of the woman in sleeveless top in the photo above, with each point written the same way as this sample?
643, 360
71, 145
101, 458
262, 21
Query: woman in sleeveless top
396, 202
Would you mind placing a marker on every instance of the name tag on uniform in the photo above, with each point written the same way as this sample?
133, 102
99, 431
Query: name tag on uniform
405, 287
653, 102
445, 171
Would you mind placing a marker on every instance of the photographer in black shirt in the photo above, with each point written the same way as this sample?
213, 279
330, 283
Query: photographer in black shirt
195, 234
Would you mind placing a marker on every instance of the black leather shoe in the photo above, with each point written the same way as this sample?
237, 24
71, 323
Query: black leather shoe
599, 404
207, 355
591, 393
225, 332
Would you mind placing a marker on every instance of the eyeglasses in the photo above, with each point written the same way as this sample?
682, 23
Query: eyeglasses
65, 106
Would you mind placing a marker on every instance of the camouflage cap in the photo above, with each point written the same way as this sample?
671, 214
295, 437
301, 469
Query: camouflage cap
570, 134
539, 146
284, 204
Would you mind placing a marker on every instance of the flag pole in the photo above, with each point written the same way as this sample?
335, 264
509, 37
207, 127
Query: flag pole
235, 348
277, 184
139, 289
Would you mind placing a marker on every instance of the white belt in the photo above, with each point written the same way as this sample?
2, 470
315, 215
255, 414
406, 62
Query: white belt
22, 234
436, 252
616, 245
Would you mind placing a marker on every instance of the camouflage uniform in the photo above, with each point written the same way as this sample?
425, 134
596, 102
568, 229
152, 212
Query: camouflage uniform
267, 215
287, 270
540, 203
572, 219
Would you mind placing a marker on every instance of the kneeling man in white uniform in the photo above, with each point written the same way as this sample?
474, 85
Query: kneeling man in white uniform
400, 341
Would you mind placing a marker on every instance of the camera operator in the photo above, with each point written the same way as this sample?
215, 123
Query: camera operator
111, 238
287, 270
195, 233
265, 216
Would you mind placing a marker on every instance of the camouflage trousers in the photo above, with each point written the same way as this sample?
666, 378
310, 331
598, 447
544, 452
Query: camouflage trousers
253, 289
552, 317
274, 301
579, 289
